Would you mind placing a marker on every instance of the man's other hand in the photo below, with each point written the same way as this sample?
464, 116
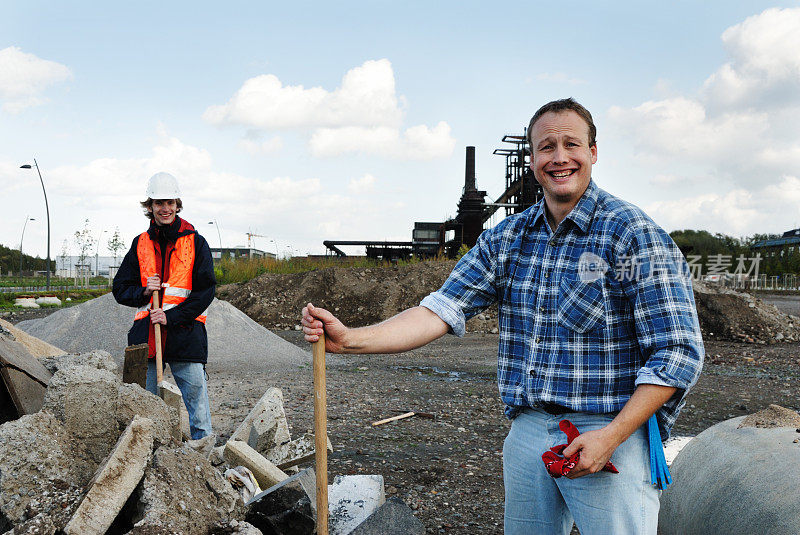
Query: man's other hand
316, 321
596, 448
158, 316
153, 284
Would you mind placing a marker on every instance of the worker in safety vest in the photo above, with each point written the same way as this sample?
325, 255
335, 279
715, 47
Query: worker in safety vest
173, 258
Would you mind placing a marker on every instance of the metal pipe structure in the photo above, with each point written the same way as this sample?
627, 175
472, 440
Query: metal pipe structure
97, 255
20, 243
47, 207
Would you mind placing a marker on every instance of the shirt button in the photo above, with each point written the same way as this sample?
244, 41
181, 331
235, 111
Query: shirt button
541, 309
532, 371
546, 275
538, 339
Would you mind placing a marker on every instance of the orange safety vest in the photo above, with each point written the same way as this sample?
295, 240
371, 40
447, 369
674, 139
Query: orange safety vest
179, 279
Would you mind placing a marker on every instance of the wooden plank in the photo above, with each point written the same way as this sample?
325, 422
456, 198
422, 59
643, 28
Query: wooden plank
393, 419
134, 369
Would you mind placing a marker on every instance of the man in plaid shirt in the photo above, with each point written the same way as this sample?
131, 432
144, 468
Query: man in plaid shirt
597, 325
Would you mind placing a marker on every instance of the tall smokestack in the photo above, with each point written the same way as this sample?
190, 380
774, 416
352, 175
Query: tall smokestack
469, 170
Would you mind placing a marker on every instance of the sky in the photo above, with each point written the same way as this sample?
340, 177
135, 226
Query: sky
307, 121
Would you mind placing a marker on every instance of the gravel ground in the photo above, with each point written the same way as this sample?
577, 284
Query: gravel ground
449, 469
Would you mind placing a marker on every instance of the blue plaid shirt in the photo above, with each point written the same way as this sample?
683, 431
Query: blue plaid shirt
586, 313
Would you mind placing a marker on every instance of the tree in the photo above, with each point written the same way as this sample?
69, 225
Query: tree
116, 244
84, 242
65, 256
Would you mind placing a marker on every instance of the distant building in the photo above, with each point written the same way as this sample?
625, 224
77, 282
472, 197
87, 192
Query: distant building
237, 252
786, 244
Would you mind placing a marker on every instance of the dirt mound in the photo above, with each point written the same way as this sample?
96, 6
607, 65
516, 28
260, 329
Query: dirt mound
358, 296
362, 296
729, 315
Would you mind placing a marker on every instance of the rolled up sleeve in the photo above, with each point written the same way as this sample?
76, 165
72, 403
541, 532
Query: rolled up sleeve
469, 289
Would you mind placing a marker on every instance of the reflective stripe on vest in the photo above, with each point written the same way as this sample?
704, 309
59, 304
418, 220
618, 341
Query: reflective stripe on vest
179, 278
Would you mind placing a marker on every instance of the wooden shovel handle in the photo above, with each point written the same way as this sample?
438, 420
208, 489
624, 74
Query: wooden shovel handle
159, 356
321, 435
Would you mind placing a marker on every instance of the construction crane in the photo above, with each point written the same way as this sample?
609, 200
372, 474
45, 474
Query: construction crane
253, 235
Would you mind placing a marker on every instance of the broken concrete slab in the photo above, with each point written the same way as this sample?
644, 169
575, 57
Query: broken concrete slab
41, 469
394, 517
183, 492
236, 527
85, 400
171, 395
351, 499
134, 368
285, 508
132, 399
36, 347
240, 453
25, 379
114, 481
95, 359
265, 426
297, 451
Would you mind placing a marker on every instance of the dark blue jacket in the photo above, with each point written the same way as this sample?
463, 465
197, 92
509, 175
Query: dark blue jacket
185, 339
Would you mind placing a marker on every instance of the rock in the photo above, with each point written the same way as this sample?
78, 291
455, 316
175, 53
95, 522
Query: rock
266, 473
298, 451
114, 481
41, 468
183, 492
772, 416
132, 399
351, 499
286, 508
732, 479
265, 426
392, 518
173, 398
95, 359
23, 379
37, 348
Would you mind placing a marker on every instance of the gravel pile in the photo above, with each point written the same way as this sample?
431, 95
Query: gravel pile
103, 324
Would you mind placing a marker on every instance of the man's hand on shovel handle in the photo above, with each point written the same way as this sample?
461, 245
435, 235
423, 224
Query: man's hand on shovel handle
158, 316
314, 318
153, 284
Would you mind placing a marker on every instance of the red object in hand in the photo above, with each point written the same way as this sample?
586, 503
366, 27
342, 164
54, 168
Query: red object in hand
556, 464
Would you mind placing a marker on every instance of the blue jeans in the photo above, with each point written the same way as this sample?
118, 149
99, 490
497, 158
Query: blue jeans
191, 380
601, 503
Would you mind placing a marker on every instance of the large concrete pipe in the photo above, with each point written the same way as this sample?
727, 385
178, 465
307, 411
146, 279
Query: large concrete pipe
735, 480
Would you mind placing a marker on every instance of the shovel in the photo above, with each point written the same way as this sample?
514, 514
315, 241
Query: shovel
321, 435
159, 357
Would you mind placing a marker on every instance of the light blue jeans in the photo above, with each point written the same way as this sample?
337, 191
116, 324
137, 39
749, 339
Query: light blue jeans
191, 380
601, 503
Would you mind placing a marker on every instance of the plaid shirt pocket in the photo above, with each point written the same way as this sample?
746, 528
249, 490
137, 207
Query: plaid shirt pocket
582, 305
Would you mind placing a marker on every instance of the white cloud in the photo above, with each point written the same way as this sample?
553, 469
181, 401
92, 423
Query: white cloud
363, 115
740, 126
736, 212
24, 76
272, 145
366, 97
416, 143
362, 185
764, 66
559, 78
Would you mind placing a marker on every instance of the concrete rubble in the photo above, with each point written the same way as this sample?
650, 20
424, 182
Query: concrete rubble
103, 456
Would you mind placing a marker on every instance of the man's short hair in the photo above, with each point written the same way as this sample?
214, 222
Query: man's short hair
559, 106
149, 204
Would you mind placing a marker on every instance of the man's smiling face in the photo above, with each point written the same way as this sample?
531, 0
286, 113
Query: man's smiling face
562, 157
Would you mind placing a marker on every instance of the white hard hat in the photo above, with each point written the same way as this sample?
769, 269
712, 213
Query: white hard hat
163, 186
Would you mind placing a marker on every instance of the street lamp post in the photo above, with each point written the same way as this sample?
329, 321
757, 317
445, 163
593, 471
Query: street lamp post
20, 244
218, 234
97, 255
47, 207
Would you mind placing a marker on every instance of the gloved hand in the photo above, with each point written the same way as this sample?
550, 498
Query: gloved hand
557, 465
